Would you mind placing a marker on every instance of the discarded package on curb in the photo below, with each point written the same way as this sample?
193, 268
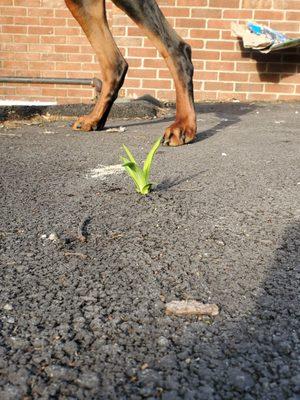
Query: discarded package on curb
262, 38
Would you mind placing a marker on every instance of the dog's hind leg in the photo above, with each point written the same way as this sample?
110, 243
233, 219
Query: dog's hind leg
177, 55
91, 15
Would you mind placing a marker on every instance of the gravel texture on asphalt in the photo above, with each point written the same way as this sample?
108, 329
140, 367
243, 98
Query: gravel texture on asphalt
86, 319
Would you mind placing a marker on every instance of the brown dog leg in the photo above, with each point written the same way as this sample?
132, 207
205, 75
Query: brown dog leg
177, 55
91, 15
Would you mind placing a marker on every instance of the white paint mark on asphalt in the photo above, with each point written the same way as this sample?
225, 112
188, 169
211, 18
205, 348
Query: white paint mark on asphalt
102, 171
119, 129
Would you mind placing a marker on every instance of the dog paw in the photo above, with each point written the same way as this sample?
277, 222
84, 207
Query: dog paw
85, 123
179, 133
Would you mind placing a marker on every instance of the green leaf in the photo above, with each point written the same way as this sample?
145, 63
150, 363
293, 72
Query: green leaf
136, 173
128, 152
140, 176
149, 159
146, 189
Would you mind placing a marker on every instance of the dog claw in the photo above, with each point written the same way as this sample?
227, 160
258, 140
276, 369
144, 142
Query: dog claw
177, 135
165, 141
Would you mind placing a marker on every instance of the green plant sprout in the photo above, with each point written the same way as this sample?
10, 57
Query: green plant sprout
140, 176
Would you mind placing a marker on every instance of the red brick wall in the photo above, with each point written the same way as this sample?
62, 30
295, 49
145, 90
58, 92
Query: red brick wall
40, 38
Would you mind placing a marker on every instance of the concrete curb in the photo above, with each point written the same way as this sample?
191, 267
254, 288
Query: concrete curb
120, 110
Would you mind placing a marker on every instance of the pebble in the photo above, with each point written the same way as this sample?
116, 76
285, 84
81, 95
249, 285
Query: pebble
54, 371
8, 307
191, 307
53, 237
88, 380
162, 341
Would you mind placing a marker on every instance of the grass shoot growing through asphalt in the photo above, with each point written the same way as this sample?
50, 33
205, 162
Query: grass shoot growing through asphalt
140, 176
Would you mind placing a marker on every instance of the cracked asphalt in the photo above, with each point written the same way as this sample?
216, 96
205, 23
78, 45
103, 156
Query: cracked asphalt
86, 319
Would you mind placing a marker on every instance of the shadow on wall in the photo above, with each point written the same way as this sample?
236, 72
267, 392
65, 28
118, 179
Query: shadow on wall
275, 66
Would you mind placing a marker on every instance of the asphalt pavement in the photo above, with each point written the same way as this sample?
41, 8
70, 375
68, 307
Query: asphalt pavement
85, 318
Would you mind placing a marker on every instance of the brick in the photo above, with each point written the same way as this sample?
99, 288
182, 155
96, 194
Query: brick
27, 3
264, 77
253, 66
41, 65
13, 11
26, 39
219, 65
147, 73
7, 91
219, 24
224, 3
53, 57
40, 12
13, 47
224, 86
14, 29
205, 76
261, 97
50, 91
196, 44
6, 20
288, 97
293, 16
257, 4
67, 66
85, 58
175, 12
159, 84
233, 55
219, 45
26, 21
78, 92
291, 4
192, 3
190, 23
53, 39
286, 26
67, 49
206, 54
53, 21
268, 15
205, 96
238, 14
140, 52
290, 78
40, 30
234, 76
279, 88
249, 87
205, 13
229, 96
205, 33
